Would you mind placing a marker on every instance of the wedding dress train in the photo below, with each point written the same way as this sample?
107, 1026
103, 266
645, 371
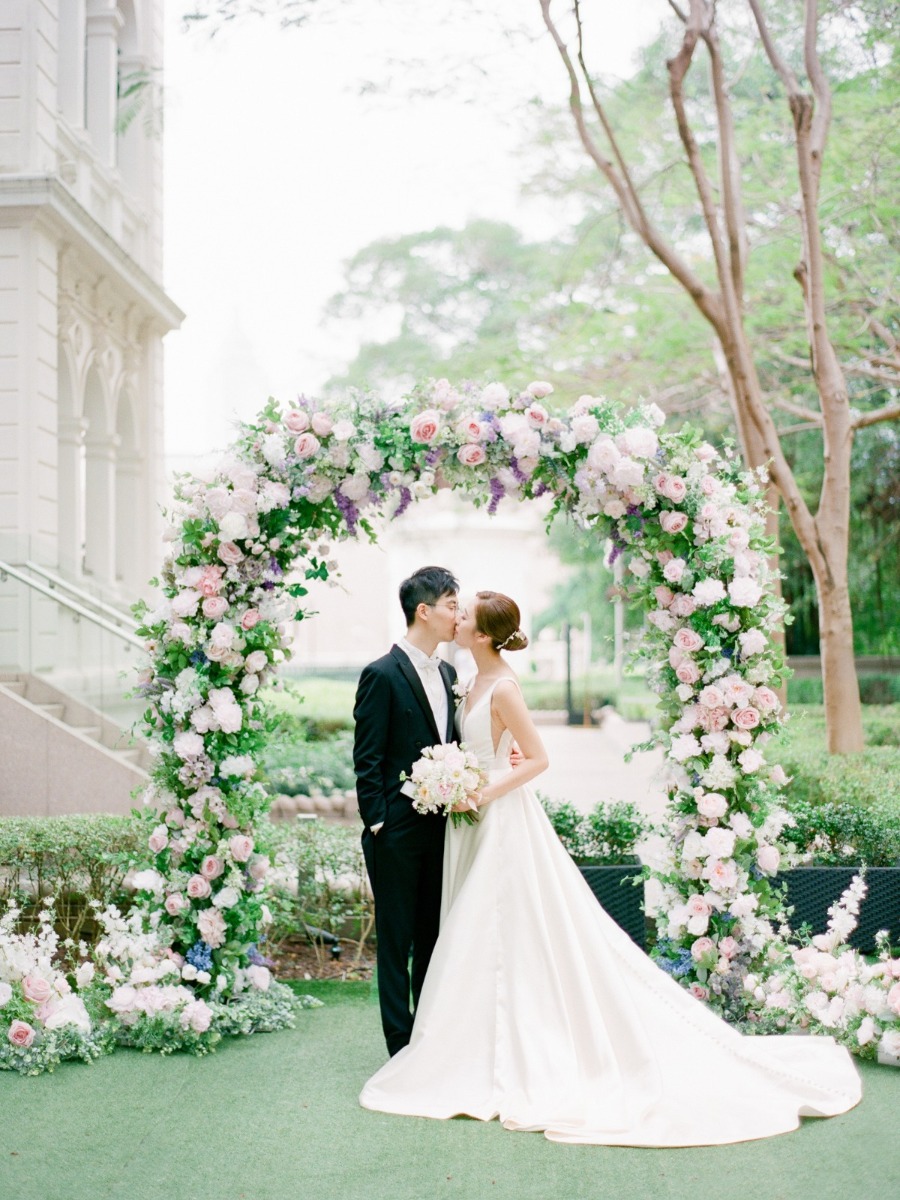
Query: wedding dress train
538, 1009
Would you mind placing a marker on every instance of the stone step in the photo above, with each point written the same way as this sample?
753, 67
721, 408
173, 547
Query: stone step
89, 731
16, 686
53, 710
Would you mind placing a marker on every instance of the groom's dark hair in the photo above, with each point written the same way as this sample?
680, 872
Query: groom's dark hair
425, 586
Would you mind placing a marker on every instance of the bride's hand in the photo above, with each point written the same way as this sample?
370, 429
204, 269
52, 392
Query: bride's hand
468, 805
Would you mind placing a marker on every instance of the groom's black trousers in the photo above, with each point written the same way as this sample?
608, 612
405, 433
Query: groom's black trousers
405, 864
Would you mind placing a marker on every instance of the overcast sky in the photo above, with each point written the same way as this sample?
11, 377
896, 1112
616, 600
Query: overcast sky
277, 171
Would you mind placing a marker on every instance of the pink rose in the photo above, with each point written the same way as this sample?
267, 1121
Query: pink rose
664, 596
698, 906
210, 581
256, 661
470, 428
20, 1033
175, 817
241, 847
211, 867
536, 416
198, 888
175, 903
230, 553
424, 426
250, 618
673, 522
306, 445
765, 700
698, 991
688, 640
745, 718
703, 945
711, 697
712, 804
674, 570
322, 424
297, 421
893, 998
36, 989
660, 482
214, 607
471, 455
728, 946
158, 839
683, 606
687, 672
676, 657
675, 489
258, 868
708, 485
768, 859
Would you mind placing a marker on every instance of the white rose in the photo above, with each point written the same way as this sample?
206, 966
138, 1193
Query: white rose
234, 525
226, 897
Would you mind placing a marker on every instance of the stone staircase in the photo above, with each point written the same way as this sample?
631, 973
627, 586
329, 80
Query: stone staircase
60, 755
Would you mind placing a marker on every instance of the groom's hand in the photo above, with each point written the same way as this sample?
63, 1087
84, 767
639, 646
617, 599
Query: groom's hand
516, 757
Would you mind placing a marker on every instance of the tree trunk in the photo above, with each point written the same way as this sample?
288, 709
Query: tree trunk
843, 711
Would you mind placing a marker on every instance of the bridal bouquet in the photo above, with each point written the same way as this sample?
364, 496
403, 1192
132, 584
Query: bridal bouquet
442, 778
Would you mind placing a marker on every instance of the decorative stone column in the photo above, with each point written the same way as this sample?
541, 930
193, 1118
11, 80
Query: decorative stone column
103, 24
70, 438
100, 508
129, 523
70, 59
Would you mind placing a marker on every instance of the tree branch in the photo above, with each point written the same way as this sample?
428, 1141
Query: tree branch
891, 412
798, 410
707, 301
729, 168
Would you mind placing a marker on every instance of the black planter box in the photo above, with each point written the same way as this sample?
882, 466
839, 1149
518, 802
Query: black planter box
614, 887
812, 891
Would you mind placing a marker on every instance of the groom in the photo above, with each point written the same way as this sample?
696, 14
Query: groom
404, 703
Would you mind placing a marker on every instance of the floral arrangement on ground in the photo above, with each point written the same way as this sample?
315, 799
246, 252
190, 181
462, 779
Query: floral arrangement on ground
689, 523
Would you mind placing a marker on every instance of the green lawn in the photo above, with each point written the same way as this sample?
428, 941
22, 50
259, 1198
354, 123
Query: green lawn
275, 1117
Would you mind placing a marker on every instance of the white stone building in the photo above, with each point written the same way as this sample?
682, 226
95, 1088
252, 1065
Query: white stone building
83, 313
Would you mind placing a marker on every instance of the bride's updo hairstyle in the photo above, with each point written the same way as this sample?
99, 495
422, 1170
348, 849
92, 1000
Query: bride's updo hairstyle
498, 617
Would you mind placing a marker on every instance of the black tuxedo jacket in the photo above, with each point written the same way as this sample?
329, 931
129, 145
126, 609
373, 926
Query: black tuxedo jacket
394, 724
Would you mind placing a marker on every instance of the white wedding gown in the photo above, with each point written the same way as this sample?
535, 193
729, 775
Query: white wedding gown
538, 1009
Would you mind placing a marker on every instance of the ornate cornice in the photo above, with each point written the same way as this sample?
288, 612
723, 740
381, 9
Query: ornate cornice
48, 199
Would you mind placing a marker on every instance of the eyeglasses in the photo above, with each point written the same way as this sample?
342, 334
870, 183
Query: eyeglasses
450, 605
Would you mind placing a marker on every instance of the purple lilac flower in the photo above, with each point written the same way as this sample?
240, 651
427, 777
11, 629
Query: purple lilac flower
519, 474
498, 491
405, 501
433, 457
348, 510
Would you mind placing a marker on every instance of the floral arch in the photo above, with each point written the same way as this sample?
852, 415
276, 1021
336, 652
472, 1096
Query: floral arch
689, 524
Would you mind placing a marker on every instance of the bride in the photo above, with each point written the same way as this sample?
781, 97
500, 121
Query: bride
538, 1009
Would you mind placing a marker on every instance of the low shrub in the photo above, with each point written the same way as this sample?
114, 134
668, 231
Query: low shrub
318, 883
837, 835
73, 860
607, 835
297, 764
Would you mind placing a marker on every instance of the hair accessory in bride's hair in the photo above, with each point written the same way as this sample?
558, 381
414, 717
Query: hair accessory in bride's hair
516, 633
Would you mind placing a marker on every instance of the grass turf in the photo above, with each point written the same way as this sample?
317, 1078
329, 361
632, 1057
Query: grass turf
275, 1117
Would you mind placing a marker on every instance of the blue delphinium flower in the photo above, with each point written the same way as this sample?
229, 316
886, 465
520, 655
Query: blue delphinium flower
200, 956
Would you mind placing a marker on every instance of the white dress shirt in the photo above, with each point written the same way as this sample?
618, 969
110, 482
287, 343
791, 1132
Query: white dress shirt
428, 668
